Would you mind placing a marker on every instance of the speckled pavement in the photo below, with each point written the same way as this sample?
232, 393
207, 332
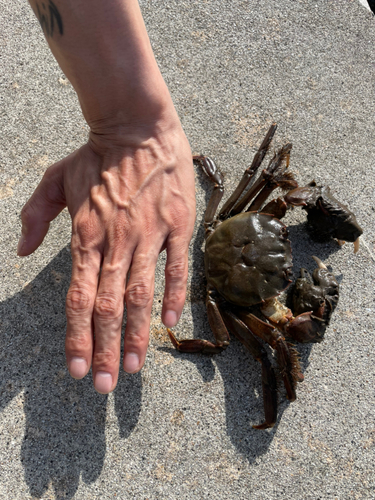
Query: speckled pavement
182, 427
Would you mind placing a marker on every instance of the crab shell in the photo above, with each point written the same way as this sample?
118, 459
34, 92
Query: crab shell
248, 258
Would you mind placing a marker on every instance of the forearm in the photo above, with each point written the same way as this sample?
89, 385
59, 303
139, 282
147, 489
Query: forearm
104, 50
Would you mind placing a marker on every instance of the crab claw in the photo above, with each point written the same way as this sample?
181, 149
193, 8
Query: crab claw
306, 328
314, 299
327, 216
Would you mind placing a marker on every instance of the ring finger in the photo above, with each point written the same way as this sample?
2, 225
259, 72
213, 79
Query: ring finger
139, 297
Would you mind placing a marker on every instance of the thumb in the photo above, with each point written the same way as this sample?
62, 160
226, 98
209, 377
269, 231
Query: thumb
44, 205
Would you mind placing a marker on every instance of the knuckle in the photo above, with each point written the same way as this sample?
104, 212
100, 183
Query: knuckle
27, 213
48, 176
177, 271
183, 220
175, 296
179, 223
77, 344
78, 301
138, 294
107, 306
134, 339
86, 231
107, 358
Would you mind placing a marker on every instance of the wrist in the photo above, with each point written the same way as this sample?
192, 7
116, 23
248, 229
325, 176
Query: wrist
124, 129
141, 102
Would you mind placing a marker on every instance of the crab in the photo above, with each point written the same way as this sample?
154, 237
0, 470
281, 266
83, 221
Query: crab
248, 263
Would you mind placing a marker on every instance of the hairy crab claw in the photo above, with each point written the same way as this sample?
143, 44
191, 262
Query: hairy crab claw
327, 216
314, 300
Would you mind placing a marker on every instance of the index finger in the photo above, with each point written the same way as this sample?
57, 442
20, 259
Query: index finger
80, 301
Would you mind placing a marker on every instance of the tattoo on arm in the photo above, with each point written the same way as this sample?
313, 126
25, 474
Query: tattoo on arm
49, 18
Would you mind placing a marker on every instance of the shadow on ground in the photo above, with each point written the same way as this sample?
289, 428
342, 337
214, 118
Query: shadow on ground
65, 419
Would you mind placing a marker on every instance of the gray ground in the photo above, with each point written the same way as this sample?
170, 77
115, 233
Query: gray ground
182, 427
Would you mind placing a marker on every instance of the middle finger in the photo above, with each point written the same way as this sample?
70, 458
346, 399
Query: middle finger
108, 315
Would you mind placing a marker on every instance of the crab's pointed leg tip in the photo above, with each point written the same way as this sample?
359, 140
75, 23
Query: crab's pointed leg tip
263, 426
171, 335
319, 262
356, 245
172, 338
341, 242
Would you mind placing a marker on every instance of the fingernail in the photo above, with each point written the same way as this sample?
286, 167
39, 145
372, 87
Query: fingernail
170, 319
131, 362
21, 243
78, 367
103, 382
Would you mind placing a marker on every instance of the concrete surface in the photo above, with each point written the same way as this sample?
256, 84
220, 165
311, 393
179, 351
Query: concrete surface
182, 427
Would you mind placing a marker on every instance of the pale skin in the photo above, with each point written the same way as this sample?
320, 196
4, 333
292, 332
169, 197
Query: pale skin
129, 190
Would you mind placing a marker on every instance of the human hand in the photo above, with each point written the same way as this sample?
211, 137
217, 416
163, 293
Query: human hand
130, 194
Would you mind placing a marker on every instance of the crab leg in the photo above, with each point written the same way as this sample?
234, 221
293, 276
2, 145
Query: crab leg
287, 356
279, 176
248, 175
218, 329
210, 169
219, 322
266, 180
274, 180
269, 383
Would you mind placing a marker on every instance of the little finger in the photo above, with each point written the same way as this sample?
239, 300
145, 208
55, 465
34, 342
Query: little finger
176, 274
